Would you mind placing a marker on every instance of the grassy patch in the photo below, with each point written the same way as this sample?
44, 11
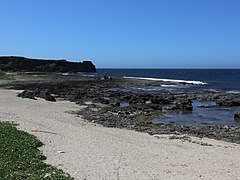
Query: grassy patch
20, 157
6, 77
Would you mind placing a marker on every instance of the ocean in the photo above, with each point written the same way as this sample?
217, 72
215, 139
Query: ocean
227, 80
219, 80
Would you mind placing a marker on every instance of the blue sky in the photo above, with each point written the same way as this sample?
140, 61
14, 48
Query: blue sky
126, 33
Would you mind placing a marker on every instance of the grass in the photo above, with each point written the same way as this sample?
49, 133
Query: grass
20, 157
5, 77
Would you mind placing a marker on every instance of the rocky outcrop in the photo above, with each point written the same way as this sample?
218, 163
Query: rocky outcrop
180, 105
14, 63
104, 101
44, 94
228, 103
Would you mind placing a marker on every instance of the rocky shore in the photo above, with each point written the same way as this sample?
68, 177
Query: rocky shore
108, 103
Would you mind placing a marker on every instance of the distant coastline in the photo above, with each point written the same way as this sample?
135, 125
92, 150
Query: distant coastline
16, 63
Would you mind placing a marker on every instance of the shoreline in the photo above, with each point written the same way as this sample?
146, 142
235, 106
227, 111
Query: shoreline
88, 150
103, 97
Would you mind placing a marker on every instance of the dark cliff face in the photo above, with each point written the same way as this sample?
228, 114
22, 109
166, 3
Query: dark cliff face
14, 63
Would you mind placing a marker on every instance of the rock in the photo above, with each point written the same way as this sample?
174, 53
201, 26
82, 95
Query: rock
181, 104
156, 107
107, 78
159, 100
115, 104
237, 116
171, 108
148, 102
228, 101
61, 152
77, 95
225, 127
37, 93
46, 95
149, 122
27, 94
104, 100
49, 97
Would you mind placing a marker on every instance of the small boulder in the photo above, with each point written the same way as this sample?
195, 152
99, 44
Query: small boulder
27, 94
180, 105
45, 95
37, 93
49, 97
237, 116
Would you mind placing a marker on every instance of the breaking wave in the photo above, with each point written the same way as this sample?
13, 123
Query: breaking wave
168, 80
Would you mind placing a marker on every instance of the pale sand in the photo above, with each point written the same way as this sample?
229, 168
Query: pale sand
95, 152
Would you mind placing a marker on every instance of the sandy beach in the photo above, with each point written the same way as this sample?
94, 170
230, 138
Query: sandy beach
87, 150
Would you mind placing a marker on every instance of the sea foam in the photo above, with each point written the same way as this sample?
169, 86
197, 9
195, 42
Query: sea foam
234, 92
169, 80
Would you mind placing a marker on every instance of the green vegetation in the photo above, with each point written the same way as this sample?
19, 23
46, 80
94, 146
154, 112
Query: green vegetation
20, 157
5, 77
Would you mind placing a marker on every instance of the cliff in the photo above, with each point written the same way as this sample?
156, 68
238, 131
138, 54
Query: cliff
14, 63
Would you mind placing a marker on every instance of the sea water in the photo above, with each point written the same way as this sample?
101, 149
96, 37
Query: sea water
227, 80
218, 80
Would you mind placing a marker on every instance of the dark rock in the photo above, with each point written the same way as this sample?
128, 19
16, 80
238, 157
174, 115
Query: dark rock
37, 93
181, 104
104, 100
159, 100
77, 95
115, 104
48, 97
27, 94
237, 116
228, 101
14, 63
156, 107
